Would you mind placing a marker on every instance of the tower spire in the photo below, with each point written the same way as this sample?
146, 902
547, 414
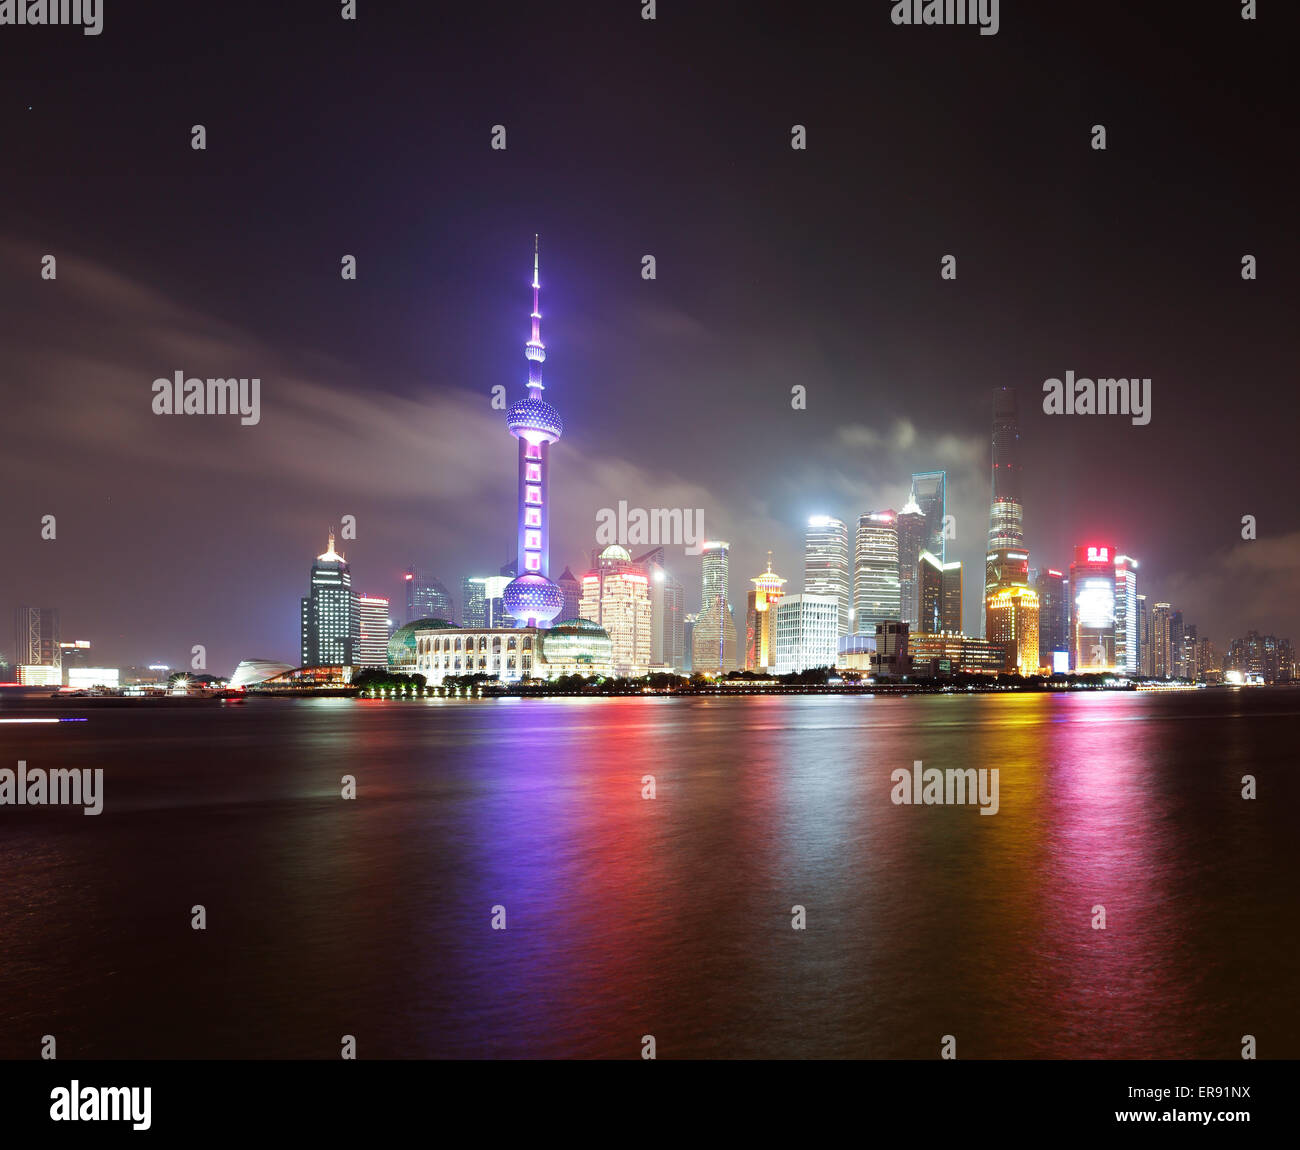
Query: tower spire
535, 350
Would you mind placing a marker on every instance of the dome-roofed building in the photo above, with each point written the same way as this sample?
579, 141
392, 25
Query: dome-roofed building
577, 647
401, 643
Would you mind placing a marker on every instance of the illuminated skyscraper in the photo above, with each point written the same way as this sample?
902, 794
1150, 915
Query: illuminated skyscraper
1006, 567
713, 642
826, 564
930, 494
806, 633
939, 586
676, 647
372, 648
1053, 615
760, 619
1012, 620
913, 538
616, 595
426, 597
1127, 615
531, 598
1092, 620
1006, 529
1160, 662
331, 625
652, 562
1177, 667
876, 596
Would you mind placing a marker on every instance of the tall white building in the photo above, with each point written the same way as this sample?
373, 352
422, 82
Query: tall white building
1127, 615
807, 632
372, 650
713, 641
826, 564
616, 595
876, 592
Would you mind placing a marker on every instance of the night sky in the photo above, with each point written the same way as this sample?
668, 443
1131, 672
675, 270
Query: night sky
775, 267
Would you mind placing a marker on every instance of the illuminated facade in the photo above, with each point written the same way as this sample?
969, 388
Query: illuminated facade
1004, 567
876, 596
913, 538
826, 564
652, 563
1159, 661
504, 653
372, 648
1053, 615
940, 589
1006, 528
760, 619
1127, 615
676, 647
571, 588
426, 598
1092, 618
531, 598
807, 633
575, 647
616, 596
947, 654
1012, 620
713, 641
930, 494
331, 624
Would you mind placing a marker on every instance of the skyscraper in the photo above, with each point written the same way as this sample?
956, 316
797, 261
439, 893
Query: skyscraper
474, 599
1006, 529
372, 648
1160, 662
714, 638
930, 494
876, 594
676, 648
1053, 615
1144, 637
760, 619
616, 595
571, 589
36, 637
806, 633
1127, 615
652, 562
1092, 585
531, 598
940, 589
331, 624
1013, 621
1177, 670
913, 538
826, 564
426, 597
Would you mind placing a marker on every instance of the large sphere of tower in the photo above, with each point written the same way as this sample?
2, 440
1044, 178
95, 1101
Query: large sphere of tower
534, 420
533, 600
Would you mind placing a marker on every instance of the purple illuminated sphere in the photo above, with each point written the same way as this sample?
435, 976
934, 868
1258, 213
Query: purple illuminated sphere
533, 600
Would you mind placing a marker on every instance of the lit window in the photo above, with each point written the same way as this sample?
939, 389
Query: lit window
534, 451
533, 540
534, 471
533, 562
532, 495
532, 517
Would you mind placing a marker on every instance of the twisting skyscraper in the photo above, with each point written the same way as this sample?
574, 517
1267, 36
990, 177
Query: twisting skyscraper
531, 599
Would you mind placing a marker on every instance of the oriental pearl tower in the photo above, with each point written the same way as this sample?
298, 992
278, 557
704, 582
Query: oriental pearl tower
531, 599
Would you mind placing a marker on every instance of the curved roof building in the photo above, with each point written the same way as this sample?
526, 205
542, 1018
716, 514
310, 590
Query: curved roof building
401, 643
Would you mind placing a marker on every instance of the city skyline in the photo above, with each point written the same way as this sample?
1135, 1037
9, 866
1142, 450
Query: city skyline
377, 393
